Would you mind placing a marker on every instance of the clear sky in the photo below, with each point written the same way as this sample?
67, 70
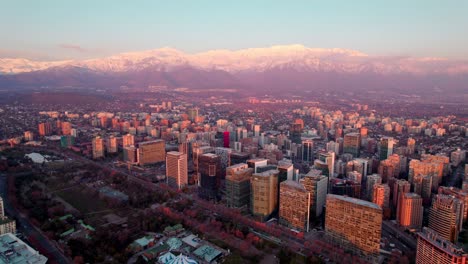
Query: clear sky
56, 29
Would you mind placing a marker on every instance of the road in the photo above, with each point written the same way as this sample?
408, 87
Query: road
47, 247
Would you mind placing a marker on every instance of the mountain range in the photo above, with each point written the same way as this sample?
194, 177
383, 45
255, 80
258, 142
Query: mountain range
277, 68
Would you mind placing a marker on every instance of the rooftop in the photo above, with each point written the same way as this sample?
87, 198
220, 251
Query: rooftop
15, 251
207, 253
353, 200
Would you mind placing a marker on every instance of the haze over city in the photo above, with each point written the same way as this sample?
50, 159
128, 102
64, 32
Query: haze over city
233, 132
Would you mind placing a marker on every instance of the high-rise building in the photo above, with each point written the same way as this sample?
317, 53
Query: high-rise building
45, 129
224, 159
386, 147
422, 185
352, 144
399, 187
256, 130
256, 163
210, 176
459, 194
317, 186
98, 147
176, 169
458, 157
7, 225
372, 180
446, 216
286, 170
128, 140
67, 141
345, 187
130, 155
410, 211
411, 146
238, 185
111, 144
381, 195
226, 139
66, 128
264, 193
433, 248
428, 167
2, 208
326, 163
307, 150
294, 205
150, 152
354, 225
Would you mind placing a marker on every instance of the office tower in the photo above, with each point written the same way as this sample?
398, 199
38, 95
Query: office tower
399, 187
74, 132
354, 225
371, 181
210, 175
225, 159
66, 128
459, 194
128, 140
390, 168
130, 155
176, 169
198, 149
286, 170
352, 144
432, 248
45, 129
151, 152
185, 148
430, 166
104, 121
386, 147
307, 150
98, 147
345, 187
381, 195
256, 130
354, 176
111, 144
67, 141
411, 146
360, 165
333, 147
446, 216
264, 193
294, 205
442, 160
458, 157
226, 139
256, 163
239, 157
326, 163
422, 185
363, 131
238, 185
317, 186
410, 211
192, 114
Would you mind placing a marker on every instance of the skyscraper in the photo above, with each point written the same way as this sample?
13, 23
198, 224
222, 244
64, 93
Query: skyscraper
66, 128
111, 144
238, 185
264, 193
326, 163
386, 147
433, 248
410, 211
399, 187
294, 207
372, 180
150, 152
128, 140
411, 146
98, 148
354, 225
45, 129
317, 186
307, 150
381, 195
446, 216
352, 144
176, 169
210, 175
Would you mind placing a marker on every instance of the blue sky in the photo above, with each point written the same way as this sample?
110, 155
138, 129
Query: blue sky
56, 29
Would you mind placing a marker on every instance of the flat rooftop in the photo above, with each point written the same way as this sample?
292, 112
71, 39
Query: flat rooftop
15, 251
353, 200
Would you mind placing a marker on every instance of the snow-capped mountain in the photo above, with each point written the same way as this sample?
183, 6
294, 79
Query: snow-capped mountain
277, 68
295, 57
